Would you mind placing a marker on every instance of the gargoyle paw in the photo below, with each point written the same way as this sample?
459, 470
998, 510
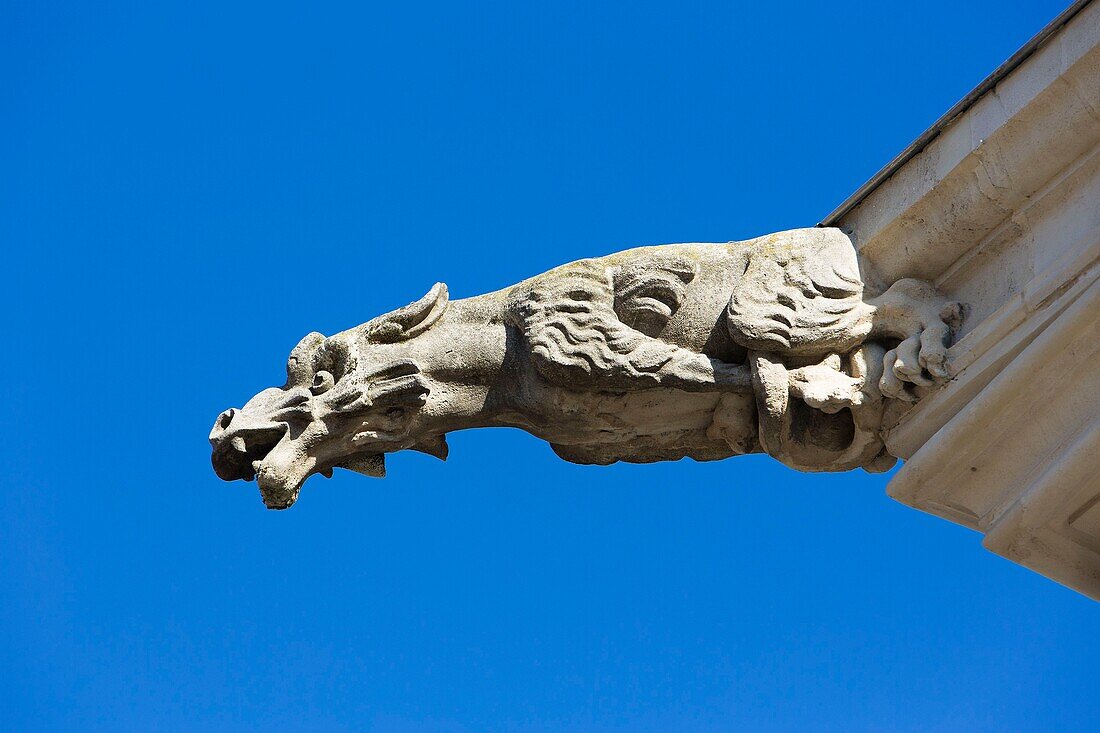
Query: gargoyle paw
913, 311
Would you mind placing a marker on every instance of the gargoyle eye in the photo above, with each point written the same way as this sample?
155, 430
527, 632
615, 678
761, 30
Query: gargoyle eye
323, 382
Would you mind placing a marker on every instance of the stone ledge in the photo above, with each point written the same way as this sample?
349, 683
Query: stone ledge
1017, 462
1001, 210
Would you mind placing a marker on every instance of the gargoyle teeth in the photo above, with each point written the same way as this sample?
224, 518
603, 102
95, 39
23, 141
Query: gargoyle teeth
326, 472
239, 444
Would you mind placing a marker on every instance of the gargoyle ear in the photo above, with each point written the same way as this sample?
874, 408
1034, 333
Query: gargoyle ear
370, 465
434, 446
413, 319
299, 367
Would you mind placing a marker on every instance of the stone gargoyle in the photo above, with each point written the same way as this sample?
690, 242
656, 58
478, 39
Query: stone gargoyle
652, 354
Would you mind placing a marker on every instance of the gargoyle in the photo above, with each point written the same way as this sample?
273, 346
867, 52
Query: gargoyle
652, 354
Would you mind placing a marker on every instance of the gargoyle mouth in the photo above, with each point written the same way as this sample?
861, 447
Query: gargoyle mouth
267, 440
256, 443
236, 452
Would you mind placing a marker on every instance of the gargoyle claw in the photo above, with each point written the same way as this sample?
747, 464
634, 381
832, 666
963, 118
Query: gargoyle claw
891, 384
907, 364
952, 314
912, 311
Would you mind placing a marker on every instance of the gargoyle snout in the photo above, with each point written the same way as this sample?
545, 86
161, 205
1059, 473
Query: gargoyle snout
238, 441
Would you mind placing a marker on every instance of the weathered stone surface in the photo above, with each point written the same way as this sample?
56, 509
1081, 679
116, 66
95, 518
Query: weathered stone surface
698, 350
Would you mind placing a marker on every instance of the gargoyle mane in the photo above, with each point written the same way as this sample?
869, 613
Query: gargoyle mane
805, 300
571, 318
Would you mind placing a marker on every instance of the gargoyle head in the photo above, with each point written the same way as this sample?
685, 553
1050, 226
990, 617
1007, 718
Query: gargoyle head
348, 400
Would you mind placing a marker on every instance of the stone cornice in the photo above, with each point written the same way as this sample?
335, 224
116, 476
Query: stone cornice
979, 170
1001, 210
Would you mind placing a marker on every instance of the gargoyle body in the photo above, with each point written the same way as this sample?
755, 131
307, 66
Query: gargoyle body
656, 353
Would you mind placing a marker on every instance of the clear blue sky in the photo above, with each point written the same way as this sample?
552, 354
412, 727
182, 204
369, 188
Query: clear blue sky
188, 188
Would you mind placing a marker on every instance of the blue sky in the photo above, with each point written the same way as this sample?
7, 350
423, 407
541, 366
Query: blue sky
190, 187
